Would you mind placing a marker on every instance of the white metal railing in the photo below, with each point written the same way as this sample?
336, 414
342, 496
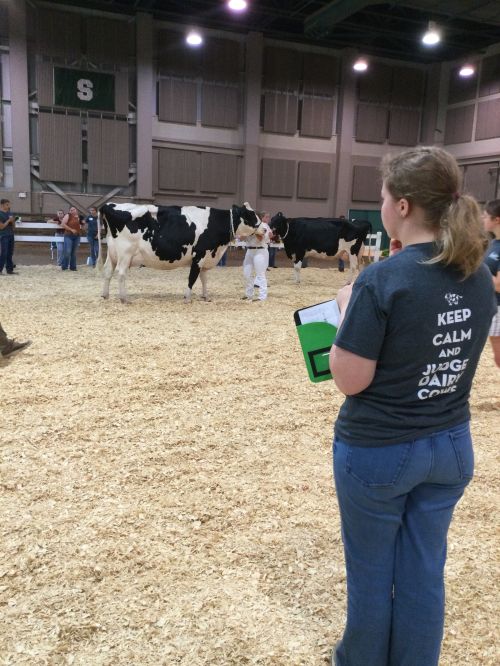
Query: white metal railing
371, 247
41, 238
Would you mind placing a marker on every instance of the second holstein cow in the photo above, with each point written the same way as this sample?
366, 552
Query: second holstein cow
168, 237
321, 237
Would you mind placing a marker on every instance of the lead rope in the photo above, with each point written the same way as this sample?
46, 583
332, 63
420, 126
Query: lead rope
232, 226
287, 230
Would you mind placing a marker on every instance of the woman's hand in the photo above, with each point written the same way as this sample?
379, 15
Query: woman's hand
343, 298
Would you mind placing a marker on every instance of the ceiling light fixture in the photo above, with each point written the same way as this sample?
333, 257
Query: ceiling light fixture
193, 38
237, 5
432, 36
361, 65
466, 70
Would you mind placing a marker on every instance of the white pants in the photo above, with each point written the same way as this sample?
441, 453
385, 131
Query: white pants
256, 261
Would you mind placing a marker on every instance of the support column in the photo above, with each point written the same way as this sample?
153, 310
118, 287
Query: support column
145, 102
253, 85
18, 67
345, 125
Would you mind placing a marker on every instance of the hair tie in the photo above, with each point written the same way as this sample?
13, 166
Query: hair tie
456, 196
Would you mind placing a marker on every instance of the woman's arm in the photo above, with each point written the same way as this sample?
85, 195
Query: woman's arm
351, 373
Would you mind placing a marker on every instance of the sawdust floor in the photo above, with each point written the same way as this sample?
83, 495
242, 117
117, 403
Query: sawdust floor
166, 491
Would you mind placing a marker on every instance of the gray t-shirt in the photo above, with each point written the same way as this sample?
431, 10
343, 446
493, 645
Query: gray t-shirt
426, 327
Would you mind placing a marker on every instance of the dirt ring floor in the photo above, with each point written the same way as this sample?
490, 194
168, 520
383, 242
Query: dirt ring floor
166, 488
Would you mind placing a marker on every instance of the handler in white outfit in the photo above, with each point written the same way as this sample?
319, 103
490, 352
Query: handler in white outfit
256, 261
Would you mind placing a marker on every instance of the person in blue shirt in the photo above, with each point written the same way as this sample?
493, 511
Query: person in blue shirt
491, 219
7, 226
412, 331
91, 222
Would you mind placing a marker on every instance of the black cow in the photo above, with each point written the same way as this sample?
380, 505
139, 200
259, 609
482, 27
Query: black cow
167, 237
321, 237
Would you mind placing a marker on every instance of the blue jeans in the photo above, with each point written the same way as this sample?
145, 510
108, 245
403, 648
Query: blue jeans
6, 252
272, 257
93, 249
396, 504
71, 244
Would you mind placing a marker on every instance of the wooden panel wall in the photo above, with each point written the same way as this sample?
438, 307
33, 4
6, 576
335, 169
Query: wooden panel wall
197, 172
480, 180
371, 123
280, 113
459, 122
489, 83
219, 173
390, 105
177, 101
281, 69
320, 74
178, 170
220, 105
313, 180
366, 183
293, 81
58, 34
317, 117
278, 178
60, 147
108, 151
488, 120
404, 126
109, 41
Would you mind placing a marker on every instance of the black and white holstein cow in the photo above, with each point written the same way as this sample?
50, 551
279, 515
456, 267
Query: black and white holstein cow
168, 237
321, 237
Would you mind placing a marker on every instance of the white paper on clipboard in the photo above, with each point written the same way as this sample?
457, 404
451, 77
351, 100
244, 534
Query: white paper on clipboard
328, 311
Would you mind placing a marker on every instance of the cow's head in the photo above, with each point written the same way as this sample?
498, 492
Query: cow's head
278, 225
246, 221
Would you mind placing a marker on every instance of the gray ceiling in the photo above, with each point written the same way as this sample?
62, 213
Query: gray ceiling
391, 30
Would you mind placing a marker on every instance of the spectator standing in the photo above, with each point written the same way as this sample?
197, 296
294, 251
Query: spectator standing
255, 263
91, 222
72, 226
59, 235
223, 260
7, 226
411, 335
491, 219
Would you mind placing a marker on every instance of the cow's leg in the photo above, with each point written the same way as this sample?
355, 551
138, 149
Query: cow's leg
109, 268
353, 267
204, 289
123, 265
296, 267
193, 276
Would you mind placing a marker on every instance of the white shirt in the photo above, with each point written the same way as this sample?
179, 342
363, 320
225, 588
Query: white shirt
255, 241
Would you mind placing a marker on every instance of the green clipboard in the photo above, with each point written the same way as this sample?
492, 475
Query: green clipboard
317, 327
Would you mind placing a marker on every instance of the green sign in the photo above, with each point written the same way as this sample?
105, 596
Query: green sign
84, 90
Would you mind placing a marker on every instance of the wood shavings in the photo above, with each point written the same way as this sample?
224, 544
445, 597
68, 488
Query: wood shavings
165, 480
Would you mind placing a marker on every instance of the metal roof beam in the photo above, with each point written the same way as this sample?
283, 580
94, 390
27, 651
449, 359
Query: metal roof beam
336, 11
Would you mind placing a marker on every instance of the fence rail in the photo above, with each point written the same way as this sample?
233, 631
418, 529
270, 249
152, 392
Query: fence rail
371, 247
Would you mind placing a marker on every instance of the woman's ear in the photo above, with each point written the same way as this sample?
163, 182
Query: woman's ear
404, 207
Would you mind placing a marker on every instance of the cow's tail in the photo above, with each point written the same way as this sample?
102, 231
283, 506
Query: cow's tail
100, 262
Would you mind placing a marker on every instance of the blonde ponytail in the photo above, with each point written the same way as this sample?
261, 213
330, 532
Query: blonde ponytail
461, 238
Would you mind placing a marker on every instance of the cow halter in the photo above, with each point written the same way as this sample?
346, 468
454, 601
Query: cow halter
287, 230
233, 235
